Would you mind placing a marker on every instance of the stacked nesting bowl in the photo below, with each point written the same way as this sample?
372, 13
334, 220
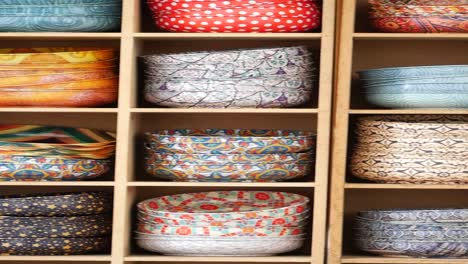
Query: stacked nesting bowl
58, 77
236, 15
60, 15
416, 87
261, 78
55, 224
433, 233
230, 155
46, 153
419, 16
223, 223
422, 149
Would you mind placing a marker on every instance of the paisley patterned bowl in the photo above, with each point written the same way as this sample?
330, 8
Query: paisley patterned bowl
225, 205
60, 23
56, 204
221, 246
54, 246
42, 227
23, 168
286, 221
230, 141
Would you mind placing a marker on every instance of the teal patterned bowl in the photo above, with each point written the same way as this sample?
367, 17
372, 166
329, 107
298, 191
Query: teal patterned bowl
59, 23
56, 2
85, 10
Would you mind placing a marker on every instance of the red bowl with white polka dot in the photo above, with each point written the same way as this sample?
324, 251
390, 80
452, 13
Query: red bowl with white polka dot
237, 24
274, 16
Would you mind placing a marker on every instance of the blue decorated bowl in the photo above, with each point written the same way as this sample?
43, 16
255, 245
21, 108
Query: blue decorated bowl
416, 100
417, 88
22, 168
436, 214
412, 72
85, 10
60, 23
413, 81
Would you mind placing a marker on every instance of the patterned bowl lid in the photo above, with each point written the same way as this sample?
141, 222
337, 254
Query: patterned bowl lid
225, 205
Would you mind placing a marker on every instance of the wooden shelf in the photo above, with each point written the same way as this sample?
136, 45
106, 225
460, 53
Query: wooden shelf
273, 259
408, 111
224, 184
409, 36
405, 186
385, 260
228, 35
226, 111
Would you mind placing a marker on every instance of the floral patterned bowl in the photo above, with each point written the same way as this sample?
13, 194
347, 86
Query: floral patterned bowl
286, 221
56, 204
23, 168
208, 246
225, 205
41, 227
216, 231
437, 24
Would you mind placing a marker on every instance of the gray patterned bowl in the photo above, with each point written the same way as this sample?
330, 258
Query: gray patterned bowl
408, 248
56, 204
53, 246
419, 215
221, 247
414, 234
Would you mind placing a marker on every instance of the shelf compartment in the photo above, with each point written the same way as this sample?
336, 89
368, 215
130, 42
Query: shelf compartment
171, 259
191, 44
138, 194
147, 122
369, 199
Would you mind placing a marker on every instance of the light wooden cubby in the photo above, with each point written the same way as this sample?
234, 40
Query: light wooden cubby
359, 47
131, 118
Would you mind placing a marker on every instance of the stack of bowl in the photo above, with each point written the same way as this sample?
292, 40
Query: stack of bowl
58, 77
264, 77
223, 223
60, 15
423, 149
236, 15
55, 224
433, 233
45, 153
419, 16
230, 155
415, 87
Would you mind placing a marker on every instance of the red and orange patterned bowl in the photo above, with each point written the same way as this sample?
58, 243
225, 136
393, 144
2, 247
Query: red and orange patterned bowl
436, 24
